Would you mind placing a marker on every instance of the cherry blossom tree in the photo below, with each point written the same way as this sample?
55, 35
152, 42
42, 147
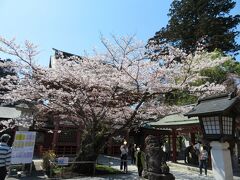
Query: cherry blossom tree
106, 92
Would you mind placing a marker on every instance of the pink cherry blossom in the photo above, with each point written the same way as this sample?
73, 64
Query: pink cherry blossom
114, 87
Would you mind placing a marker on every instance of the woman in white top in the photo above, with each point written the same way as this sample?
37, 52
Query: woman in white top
203, 157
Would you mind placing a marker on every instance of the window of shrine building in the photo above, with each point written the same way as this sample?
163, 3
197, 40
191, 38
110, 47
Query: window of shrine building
69, 136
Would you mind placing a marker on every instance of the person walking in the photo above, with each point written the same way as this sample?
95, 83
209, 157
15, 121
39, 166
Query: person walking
5, 155
203, 160
124, 155
140, 161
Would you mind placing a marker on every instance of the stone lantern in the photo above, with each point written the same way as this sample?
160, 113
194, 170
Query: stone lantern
217, 120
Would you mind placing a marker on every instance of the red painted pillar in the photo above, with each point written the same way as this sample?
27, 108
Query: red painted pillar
55, 136
169, 156
174, 145
192, 135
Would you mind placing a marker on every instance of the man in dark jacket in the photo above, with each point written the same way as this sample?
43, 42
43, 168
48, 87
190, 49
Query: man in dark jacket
140, 161
5, 155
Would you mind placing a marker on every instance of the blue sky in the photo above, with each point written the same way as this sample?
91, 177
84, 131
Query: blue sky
75, 25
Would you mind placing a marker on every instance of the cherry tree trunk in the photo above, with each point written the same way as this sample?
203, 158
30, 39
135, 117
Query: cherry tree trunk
90, 148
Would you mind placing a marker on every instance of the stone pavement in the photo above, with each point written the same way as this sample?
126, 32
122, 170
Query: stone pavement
180, 172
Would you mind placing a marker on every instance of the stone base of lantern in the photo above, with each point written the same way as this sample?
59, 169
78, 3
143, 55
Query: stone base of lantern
155, 176
221, 161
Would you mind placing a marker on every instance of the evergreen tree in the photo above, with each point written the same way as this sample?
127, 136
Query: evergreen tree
193, 20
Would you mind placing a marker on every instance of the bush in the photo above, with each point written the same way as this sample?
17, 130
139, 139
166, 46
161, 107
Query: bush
48, 157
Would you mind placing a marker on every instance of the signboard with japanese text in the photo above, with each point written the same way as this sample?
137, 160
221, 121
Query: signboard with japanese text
62, 161
23, 147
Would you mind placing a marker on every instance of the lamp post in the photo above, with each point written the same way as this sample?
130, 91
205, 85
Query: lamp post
217, 120
219, 129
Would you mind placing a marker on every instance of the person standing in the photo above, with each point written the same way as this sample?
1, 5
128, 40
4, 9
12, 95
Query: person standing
5, 155
133, 151
166, 150
140, 161
188, 154
197, 149
203, 160
124, 155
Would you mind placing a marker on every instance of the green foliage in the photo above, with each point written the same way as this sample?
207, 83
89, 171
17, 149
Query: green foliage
66, 172
213, 75
48, 157
178, 97
57, 170
190, 21
219, 74
103, 169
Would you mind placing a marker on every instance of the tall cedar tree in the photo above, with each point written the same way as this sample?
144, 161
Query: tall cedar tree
192, 20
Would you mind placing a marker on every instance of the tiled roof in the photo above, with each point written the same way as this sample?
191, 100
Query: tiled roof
213, 105
175, 120
9, 113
